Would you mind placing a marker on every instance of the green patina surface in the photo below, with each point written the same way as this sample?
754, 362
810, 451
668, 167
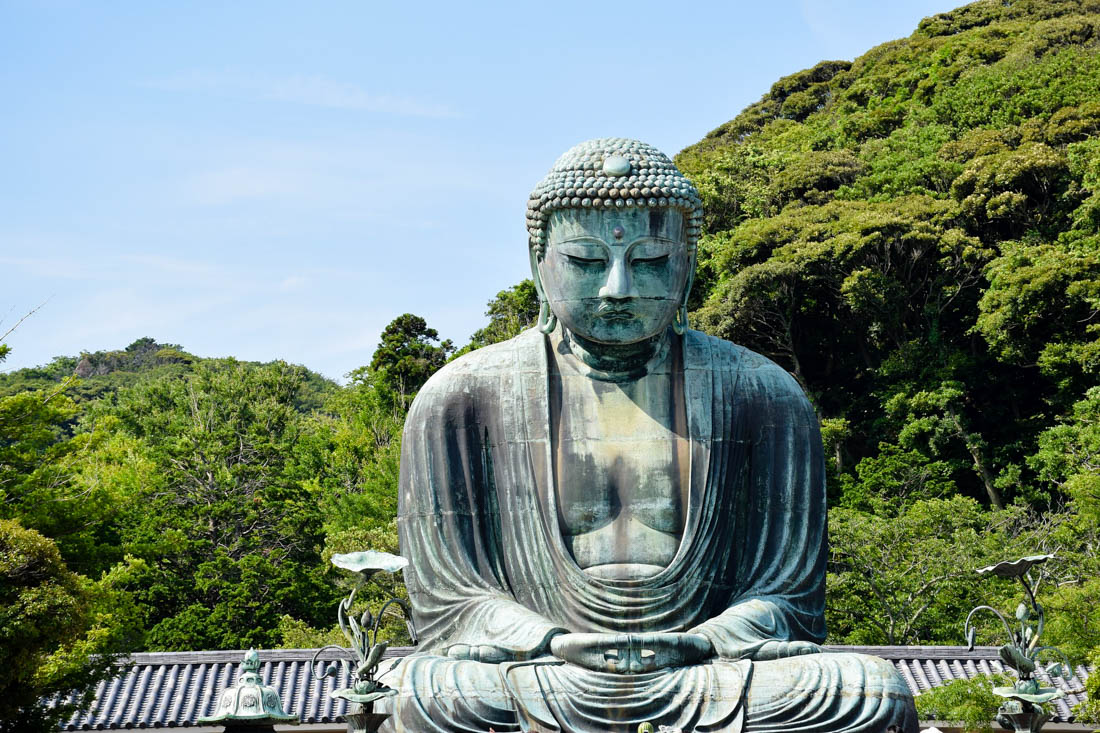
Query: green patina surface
613, 520
250, 704
1023, 653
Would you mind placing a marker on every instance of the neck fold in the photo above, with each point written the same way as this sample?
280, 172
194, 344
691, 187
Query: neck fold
617, 362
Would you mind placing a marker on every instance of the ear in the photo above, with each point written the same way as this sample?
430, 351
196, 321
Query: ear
547, 320
694, 257
536, 274
680, 321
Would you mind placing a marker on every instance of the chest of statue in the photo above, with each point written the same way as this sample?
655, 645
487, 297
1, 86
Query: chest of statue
621, 469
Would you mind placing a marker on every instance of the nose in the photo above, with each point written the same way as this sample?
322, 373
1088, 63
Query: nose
619, 284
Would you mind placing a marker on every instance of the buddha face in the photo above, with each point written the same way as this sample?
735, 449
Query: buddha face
615, 277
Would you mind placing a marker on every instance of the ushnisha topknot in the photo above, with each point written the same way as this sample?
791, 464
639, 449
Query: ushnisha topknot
610, 173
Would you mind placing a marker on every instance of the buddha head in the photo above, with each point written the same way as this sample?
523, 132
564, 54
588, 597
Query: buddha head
613, 230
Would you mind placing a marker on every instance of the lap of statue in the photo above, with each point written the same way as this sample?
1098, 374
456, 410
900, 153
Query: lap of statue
835, 692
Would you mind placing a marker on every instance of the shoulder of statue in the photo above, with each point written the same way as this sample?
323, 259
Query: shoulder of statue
463, 378
755, 373
720, 354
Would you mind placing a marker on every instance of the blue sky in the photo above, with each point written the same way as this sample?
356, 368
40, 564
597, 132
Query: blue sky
275, 180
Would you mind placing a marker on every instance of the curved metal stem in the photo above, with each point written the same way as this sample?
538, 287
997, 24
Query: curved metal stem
365, 622
1066, 666
998, 614
325, 670
1027, 588
1034, 641
385, 607
343, 619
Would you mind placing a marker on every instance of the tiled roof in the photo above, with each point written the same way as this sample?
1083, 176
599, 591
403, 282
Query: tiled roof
926, 667
173, 689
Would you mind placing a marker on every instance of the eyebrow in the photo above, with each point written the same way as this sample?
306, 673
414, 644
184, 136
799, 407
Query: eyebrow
644, 237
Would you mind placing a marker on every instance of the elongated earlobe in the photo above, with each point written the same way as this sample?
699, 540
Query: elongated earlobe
547, 320
680, 321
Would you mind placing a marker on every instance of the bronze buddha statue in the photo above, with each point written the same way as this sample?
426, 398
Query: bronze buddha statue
613, 519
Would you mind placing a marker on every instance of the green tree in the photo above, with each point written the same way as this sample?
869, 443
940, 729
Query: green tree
510, 312
1069, 456
915, 236
350, 457
1042, 308
1068, 460
907, 577
407, 355
231, 536
44, 478
936, 416
1089, 710
968, 702
33, 444
59, 632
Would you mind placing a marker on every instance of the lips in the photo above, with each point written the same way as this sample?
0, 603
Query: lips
615, 314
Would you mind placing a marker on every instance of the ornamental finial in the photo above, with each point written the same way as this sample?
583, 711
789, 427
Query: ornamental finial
250, 702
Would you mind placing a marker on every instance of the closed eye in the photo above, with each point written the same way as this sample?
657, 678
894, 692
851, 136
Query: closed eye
650, 260
586, 260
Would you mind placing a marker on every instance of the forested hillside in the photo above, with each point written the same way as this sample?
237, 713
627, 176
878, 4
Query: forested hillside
151, 499
914, 235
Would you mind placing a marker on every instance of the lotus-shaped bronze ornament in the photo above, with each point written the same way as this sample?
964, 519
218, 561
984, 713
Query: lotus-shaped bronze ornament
369, 562
362, 634
1014, 568
1040, 696
1023, 708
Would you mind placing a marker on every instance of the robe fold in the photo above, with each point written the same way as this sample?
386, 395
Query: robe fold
478, 519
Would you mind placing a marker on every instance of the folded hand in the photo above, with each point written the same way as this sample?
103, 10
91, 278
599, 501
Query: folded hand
631, 653
483, 653
771, 650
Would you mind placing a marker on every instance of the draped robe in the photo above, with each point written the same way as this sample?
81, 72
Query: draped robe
489, 566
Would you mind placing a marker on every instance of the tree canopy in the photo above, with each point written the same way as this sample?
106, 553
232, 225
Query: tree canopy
914, 236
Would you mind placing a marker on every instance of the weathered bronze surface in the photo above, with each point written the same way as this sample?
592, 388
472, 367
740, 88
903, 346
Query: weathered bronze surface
1023, 707
615, 520
250, 705
362, 634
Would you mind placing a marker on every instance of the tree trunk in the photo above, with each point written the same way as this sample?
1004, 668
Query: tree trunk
975, 451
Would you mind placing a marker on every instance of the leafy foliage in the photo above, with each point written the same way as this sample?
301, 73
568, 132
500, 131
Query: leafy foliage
409, 353
923, 556
101, 373
510, 312
43, 606
1089, 711
210, 492
1068, 460
59, 632
970, 703
915, 236
232, 538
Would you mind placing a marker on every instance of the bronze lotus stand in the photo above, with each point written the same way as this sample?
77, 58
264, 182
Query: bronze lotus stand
362, 635
1023, 709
